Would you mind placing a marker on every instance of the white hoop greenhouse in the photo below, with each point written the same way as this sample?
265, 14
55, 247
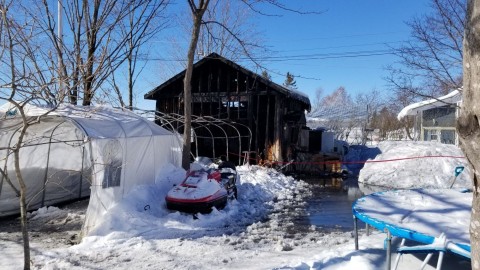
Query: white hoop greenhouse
73, 152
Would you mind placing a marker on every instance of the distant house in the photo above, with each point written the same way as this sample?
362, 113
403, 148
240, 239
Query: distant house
225, 91
435, 118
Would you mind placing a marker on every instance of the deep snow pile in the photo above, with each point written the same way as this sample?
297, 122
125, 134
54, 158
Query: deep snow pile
409, 164
250, 233
409, 209
250, 223
256, 232
261, 191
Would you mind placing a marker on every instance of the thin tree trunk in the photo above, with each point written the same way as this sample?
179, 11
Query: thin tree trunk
130, 80
92, 32
23, 200
468, 123
187, 81
130, 63
407, 130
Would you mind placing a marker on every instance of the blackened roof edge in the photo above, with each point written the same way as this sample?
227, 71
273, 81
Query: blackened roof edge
288, 92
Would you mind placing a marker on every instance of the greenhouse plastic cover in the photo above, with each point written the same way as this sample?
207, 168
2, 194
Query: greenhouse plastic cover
72, 146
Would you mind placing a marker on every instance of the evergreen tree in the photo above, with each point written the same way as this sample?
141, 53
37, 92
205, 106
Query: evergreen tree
290, 81
266, 75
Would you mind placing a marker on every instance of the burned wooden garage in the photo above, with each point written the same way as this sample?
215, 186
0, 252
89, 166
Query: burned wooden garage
237, 98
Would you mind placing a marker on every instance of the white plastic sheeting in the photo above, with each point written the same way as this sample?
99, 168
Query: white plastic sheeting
52, 161
107, 149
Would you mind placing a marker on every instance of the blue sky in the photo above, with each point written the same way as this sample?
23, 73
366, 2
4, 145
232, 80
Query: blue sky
345, 28
325, 48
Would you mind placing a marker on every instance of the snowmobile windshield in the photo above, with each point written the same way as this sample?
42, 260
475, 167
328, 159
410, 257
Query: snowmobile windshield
194, 178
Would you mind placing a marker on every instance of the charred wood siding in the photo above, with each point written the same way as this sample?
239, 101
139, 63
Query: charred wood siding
225, 90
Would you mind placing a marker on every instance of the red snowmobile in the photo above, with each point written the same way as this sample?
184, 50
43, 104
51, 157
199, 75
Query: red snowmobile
204, 187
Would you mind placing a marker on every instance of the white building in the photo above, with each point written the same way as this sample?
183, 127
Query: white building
435, 118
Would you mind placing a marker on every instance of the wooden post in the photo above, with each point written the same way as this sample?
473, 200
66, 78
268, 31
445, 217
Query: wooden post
200, 80
229, 78
256, 122
278, 135
238, 81
219, 99
209, 88
178, 103
238, 95
267, 126
249, 105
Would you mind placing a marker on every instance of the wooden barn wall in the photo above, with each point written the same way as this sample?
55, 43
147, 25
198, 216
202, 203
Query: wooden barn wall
223, 92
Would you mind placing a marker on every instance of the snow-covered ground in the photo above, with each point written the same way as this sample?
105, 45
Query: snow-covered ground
250, 233
410, 164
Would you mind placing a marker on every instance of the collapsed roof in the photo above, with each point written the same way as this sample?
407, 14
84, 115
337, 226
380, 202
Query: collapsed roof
166, 87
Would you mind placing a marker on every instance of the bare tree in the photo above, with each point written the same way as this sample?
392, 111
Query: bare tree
31, 55
350, 119
317, 102
468, 123
404, 94
368, 104
25, 72
94, 47
197, 12
198, 9
432, 58
387, 123
139, 27
228, 31
336, 112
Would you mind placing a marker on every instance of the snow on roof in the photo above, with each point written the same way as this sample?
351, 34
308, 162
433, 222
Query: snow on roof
96, 121
296, 94
412, 109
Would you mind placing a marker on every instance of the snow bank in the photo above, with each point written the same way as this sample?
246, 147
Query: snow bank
409, 164
251, 233
140, 225
261, 191
431, 212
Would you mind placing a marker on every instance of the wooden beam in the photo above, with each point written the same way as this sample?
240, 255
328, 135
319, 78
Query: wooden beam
238, 95
200, 80
267, 126
256, 123
249, 104
219, 99
229, 78
210, 88
278, 133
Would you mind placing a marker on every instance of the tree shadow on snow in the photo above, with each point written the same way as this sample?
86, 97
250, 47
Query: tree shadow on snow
376, 258
357, 155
